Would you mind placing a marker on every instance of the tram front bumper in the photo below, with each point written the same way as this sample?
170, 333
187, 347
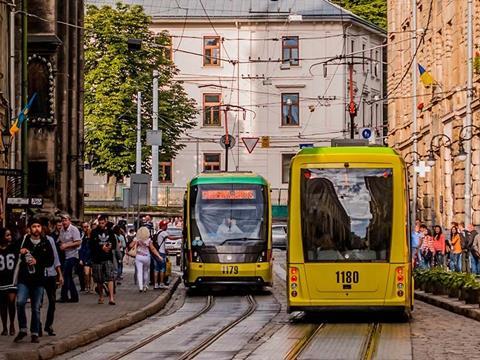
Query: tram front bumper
257, 274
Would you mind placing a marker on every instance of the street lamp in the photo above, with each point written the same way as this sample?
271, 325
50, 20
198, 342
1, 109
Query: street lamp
462, 154
433, 148
414, 159
6, 141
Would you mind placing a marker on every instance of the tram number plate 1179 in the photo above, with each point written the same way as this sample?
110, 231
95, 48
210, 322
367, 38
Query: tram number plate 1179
347, 277
229, 269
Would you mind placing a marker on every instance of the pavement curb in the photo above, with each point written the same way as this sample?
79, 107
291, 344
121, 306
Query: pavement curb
471, 311
87, 336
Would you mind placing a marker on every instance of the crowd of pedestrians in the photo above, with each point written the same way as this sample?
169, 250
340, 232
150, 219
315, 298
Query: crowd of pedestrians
457, 248
51, 253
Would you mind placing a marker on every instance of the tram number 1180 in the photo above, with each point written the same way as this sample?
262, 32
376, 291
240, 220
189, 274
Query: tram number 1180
229, 269
347, 277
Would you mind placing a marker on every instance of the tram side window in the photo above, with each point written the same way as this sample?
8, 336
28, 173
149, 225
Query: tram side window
346, 214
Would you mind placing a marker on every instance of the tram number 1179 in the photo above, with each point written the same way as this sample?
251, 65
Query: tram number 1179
347, 277
229, 269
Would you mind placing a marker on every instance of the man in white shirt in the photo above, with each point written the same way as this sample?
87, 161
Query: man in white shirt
70, 241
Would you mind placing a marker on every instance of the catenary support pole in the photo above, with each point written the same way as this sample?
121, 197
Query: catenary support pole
414, 114
468, 114
154, 199
12, 80
24, 130
138, 147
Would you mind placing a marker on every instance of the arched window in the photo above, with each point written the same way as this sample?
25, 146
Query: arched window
40, 81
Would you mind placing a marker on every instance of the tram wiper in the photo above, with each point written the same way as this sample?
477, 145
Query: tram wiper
238, 239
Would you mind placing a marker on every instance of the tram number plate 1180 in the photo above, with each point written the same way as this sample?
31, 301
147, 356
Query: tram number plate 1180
347, 277
229, 269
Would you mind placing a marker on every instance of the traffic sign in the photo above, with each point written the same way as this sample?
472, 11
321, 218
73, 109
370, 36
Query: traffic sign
366, 133
154, 137
231, 141
303, 146
250, 143
265, 141
28, 202
10, 172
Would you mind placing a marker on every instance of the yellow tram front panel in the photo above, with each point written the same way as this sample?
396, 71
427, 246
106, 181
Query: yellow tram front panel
253, 273
348, 230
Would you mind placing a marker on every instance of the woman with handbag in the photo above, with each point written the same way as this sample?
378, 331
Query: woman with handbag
141, 247
427, 248
9, 252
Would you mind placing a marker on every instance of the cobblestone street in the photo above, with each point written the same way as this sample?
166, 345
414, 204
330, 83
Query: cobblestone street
440, 334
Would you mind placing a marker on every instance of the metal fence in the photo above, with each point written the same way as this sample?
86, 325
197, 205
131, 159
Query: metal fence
168, 196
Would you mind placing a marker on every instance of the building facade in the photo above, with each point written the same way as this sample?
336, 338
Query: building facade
441, 106
263, 61
53, 64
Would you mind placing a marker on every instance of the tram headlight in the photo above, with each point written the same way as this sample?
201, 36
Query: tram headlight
293, 286
400, 286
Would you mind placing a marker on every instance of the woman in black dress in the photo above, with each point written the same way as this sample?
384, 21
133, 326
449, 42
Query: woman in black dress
9, 251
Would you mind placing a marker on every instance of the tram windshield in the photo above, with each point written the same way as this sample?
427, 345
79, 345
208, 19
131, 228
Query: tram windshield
228, 214
346, 214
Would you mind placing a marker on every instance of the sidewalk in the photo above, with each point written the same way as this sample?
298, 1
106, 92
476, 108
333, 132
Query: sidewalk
77, 324
450, 304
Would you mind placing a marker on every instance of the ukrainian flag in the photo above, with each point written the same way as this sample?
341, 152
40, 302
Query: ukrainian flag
425, 77
22, 116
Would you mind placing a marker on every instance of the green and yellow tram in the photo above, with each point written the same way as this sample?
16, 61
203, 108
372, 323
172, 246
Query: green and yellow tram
348, 230
227, 230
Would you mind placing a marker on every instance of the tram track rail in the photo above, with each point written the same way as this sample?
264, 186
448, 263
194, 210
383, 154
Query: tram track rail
190, 354
366, 352
208, 305
303, 343
371, 342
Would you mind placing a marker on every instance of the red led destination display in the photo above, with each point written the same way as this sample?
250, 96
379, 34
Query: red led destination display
228, 194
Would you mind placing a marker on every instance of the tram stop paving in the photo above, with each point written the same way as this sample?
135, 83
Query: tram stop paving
77, 324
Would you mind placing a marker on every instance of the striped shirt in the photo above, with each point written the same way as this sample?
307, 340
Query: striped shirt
428, 243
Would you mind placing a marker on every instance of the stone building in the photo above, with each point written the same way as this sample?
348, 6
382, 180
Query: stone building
441, 107
55, 125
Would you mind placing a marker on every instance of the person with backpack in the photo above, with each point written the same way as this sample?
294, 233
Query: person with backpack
161, 267
36, 254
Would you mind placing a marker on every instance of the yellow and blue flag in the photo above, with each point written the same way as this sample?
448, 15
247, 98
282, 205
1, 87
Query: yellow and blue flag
22, 116
425, 77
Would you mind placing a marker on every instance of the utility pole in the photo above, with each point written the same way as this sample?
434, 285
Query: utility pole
12, 81
24, 130
414, 113
227, 138
154, 200
468, 114
138, 148
352, 107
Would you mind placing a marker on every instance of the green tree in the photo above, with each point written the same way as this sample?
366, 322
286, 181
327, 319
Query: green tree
114, 75
374, 11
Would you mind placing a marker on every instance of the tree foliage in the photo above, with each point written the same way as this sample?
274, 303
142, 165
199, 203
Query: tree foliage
114, 75
374, 11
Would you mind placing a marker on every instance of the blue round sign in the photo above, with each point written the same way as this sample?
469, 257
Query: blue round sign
367, 133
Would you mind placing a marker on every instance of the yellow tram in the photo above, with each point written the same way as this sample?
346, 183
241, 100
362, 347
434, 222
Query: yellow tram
348, 230
227, 230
